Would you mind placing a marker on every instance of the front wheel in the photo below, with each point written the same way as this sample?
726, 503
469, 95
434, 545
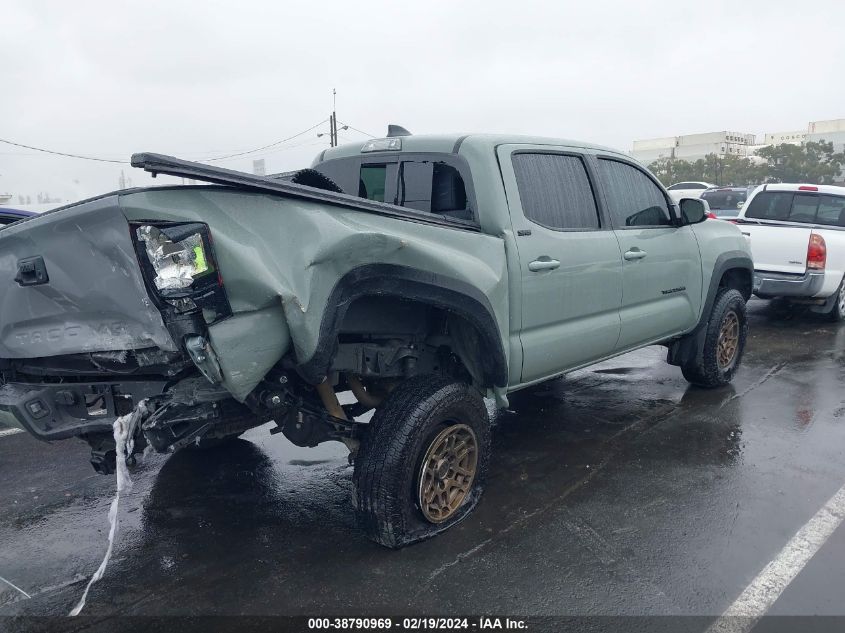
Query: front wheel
422, 463
724, 342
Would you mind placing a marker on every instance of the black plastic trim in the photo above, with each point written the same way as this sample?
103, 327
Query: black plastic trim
689, 347
402, 282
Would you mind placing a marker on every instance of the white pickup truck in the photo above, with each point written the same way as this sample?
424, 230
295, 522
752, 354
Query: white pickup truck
797, 236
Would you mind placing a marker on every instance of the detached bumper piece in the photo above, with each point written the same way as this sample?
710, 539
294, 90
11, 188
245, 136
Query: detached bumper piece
771, 284
56, 412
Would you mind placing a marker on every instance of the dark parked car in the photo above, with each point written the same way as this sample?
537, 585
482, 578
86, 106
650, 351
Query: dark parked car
7, 216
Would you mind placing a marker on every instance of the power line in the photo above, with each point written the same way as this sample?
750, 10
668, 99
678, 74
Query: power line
357, 130
126, 162
50, 151
258, 149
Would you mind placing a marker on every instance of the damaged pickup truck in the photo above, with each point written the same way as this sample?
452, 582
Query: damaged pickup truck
421, 273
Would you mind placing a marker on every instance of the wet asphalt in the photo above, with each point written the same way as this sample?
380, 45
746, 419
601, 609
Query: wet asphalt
619, 489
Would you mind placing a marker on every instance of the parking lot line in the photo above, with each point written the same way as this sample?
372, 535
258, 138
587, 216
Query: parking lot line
5, 432
764, 590
14, 586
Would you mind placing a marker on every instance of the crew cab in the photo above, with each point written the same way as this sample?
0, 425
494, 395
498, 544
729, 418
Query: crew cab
797, 237
421, 273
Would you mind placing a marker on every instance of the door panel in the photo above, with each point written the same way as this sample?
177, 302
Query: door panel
661, 292
570, 265
661, 262
570, 314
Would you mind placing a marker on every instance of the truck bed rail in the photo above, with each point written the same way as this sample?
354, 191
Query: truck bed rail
172, 166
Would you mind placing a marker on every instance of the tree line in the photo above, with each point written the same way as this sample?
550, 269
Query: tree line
812, 162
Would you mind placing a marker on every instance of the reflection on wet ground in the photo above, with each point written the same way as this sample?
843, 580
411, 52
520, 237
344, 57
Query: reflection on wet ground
618, 489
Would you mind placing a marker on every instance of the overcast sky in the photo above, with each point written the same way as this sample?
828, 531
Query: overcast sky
203, 79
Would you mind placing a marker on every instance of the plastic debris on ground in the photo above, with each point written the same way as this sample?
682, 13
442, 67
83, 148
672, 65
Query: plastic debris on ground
124, 433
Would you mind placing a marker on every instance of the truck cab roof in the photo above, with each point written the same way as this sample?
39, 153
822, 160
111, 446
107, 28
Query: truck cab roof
451, 143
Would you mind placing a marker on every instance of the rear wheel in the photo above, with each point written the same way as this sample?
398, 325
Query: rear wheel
837, 310
726, 332
422, 464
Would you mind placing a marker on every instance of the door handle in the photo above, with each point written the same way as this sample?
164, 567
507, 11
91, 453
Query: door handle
544, 263
634, 253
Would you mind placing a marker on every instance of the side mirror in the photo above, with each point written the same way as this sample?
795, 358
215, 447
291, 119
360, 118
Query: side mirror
693, 210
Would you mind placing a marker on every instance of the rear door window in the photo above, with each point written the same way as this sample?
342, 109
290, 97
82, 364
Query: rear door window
831, 210
555, 191
632, 197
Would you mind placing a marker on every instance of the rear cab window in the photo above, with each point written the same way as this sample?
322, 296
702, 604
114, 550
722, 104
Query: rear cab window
804, 208
725, 199
372, 182
430, 183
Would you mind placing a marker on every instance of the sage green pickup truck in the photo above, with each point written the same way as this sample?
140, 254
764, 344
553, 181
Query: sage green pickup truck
419, 273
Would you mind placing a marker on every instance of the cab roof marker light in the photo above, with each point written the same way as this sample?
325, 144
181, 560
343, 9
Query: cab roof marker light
807, 188
382, 145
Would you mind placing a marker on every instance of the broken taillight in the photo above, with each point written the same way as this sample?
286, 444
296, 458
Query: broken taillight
816, 252
179, 266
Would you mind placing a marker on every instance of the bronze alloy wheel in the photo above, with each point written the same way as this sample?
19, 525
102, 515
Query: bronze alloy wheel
726, 348
447, 472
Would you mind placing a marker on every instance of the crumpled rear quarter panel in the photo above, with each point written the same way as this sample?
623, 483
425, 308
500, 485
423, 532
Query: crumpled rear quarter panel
280, 259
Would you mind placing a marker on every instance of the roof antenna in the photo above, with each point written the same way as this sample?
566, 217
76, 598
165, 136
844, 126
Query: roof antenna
396, 130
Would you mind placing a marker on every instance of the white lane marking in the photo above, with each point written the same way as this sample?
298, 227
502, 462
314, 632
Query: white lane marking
5, 432
766, 588
13, 586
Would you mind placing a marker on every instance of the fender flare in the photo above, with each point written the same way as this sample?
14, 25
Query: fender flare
688, 348
402, 282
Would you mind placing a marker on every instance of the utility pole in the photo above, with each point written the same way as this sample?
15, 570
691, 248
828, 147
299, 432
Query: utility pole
333, 119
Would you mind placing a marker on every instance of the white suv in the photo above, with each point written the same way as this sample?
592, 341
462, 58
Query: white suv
688, 189
797, 235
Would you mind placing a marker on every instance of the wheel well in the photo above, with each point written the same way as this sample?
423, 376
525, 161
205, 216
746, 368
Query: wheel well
737, 279
384, 289
391, 337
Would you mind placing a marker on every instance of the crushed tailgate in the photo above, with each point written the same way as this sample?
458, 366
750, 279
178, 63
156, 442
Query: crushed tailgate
70, 283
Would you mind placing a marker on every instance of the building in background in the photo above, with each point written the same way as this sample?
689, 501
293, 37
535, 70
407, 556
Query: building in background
691, 147
832, 131
793, 137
